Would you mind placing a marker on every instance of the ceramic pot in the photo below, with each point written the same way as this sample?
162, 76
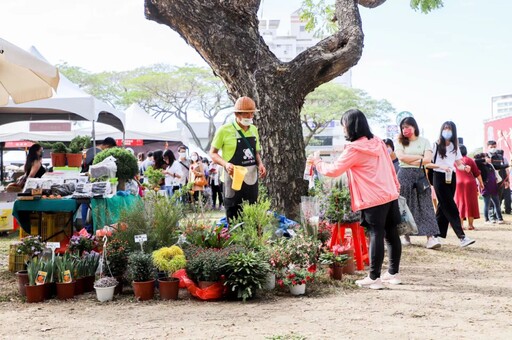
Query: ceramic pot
65, 290
74, 160
350, 266
34, 293
144, 290
336, 272
298, 289
58, 159
79, 286
270, 283
169, 288
105, 293
22, 277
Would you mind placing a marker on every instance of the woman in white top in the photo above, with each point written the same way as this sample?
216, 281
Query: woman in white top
447, 157
172, 172
413, 150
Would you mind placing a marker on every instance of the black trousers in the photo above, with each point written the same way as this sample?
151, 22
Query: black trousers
507, 200
381, 222
233, 205
447, 211
217, 194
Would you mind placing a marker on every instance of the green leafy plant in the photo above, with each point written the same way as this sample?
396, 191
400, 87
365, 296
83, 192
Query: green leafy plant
116, 257
169, 259
32, 268
48, 266
141, 266
59, 147
296, 276
90, 262
154, 177
333, 257
79, 143
62, 264
207, 264
207, 236
300, 250
245, 273
257, 224
338, 207
126, 162
30, 246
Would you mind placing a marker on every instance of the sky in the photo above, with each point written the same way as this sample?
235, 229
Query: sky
445, 65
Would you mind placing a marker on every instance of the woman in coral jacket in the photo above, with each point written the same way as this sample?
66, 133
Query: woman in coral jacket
374, 190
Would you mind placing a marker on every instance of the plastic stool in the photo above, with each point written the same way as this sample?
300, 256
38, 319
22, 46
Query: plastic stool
359, 240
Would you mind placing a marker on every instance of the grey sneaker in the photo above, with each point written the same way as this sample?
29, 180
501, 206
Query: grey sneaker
466, 241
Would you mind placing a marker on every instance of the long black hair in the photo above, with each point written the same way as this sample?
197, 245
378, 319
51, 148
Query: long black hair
411, 122
170, 155
356, 125
158, 157
441, 142
32, 156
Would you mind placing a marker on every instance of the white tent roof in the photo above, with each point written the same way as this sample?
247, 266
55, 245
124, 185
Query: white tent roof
69, 103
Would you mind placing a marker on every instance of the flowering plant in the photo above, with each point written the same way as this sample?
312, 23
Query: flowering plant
82, 241
297, 276
334, 256
116, 256
105, 282
207, 236
300, 250
31, 246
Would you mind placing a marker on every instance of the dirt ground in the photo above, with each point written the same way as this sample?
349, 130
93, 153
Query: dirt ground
448, 293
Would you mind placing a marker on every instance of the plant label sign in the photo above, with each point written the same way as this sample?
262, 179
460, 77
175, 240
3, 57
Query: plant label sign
53, 245
141, 239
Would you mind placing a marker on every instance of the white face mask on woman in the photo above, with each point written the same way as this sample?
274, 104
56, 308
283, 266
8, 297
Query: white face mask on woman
182, 154
194, 158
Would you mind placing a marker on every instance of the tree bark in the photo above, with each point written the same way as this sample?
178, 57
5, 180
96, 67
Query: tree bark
225, 33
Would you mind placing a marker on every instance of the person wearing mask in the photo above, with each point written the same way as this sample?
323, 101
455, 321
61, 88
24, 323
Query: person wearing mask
374, 190
500, 163
489, 189
448, 157
240, 145
34, 167
196, 172
185, 164
216, 186
149, 161
172, 172
391, 150
466, 192
413, 150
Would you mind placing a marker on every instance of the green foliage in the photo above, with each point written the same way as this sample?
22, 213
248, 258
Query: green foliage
79, 143
330, 258
30, 246
207, 235
245, 273
157, 217
141, 266
116, 256
296, 276
154, 176
330, 100
63, 263
33, 266
426, 6
90, 263
48, 266
207, 264
127, 166
59, 147
259, 223
169, 259
300, 250
338, 204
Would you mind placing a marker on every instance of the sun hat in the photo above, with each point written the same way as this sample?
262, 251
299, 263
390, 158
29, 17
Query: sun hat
245, 104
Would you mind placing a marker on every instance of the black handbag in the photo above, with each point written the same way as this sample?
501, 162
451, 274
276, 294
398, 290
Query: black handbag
422, 184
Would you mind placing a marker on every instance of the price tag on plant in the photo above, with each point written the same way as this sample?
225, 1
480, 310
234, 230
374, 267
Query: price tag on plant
141, 238
53, 245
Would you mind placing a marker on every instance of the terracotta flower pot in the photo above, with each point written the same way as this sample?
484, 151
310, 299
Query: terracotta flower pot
34, 293
144, 290
349, 267
50, 289
79, 286
89, 283
169, 288
22, 276
74, 159
58, 159
66, 290
336, 272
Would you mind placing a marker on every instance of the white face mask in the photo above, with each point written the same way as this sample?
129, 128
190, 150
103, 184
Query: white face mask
182, 154
194, 158
492, 150
246, 121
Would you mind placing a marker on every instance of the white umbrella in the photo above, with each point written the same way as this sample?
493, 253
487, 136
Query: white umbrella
24, 77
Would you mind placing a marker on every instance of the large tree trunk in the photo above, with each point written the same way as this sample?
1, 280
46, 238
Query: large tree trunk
225, 33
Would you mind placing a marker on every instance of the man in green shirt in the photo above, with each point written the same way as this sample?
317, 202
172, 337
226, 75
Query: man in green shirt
239, 144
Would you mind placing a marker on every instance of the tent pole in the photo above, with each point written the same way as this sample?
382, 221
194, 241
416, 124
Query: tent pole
2, 144
93, 139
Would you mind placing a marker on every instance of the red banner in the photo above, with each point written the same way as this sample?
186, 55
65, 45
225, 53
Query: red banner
130, 142
19, 144
499, 130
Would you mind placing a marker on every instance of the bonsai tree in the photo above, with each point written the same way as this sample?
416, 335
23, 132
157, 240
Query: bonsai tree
59, 147
126, 162
79, 143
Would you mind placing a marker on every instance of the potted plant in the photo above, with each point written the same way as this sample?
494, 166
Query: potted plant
48, 266
90, 265
335, 260
245, 273
296, 279
116, 261
35, 292
206, 266
141, 268
58, 154
154, 177
169, 260
126, 162
105, 288
30, 246
65, 266
76, 146
338, 208
82, 242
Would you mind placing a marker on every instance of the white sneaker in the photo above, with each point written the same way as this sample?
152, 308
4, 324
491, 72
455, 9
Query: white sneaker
501, 222
391, 279
433, 243
406, 240
488, 222
466, 241
369, 283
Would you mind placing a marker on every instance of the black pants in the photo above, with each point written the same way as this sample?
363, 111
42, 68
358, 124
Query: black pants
233, 205
381, 222
217, 194
507, 200
447, 211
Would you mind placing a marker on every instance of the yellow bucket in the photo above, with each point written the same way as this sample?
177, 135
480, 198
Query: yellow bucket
238, 177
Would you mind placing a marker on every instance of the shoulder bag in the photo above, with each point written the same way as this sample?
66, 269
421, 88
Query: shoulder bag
422, 184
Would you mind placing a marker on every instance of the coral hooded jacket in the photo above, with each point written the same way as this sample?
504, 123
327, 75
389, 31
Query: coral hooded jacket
371, 175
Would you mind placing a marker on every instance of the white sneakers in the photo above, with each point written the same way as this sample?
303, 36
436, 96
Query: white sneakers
369, 283
433, 243
406, 240
466, 241
378, 282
